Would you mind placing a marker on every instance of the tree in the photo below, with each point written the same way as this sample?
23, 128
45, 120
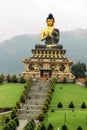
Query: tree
12, 125
7, 119
6, 127
79, 128
60, 105
16, 121
50, 127
13, 113
8, 78
41, 116
23, 98
71, 105
83, 105
64, 127
79, 70
43, 127
22, 80
18, 104
14, 79
1, 78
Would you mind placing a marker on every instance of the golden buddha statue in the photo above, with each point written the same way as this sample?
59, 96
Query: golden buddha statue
50, 34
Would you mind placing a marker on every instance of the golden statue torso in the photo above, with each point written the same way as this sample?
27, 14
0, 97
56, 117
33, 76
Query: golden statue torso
50, 35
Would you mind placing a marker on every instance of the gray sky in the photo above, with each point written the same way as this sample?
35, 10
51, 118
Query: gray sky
28, 16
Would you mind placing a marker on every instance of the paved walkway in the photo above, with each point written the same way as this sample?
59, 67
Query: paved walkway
22, 124
33, 105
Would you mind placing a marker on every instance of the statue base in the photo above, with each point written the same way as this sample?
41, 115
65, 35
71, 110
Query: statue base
48, 61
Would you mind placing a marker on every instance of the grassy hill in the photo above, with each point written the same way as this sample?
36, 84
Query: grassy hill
65, 93
10, 94
18, 47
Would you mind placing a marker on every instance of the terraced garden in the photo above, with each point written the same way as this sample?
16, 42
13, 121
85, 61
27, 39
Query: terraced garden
72, 117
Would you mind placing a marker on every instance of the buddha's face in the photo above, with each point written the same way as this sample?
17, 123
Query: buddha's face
50, 22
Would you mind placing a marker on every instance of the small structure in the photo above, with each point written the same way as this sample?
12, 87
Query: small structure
48, 60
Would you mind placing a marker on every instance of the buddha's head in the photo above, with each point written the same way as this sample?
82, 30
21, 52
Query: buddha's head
50, 20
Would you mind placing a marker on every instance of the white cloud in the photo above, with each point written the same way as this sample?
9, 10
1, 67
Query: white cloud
28, 16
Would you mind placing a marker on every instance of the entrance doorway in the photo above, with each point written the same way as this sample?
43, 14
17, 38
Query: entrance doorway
46, 74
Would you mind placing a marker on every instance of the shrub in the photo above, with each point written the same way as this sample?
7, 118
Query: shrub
26, 87
50, 127
12, 124
50, 96
83, 105
52, 89
32, 123
29, 125
46, 104
7, 127
52, 110
44, 108
16, 121
52, 85
48, 100
7, 119
13, 113
64, 127
25, 92
18, 104
71, 105
60, 105
23, 98
26, 127
50, 92
54, 80
43, 127
79, 128
41, 116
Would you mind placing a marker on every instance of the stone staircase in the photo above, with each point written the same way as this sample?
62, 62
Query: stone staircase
34, 103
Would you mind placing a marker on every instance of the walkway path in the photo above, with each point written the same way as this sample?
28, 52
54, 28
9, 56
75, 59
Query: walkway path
32, 107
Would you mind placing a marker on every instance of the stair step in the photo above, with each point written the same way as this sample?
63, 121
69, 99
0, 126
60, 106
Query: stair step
34, 103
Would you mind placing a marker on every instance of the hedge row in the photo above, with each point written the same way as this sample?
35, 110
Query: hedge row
12, 124
30, 125
71, 105
50, 127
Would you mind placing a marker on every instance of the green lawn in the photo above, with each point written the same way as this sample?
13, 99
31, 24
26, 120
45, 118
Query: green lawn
65, 93
10, 94
71, 119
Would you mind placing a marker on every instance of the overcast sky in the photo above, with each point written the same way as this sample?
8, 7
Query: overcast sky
28, 16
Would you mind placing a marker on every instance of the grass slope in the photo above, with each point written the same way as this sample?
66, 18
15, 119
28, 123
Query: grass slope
65, 93
10, 94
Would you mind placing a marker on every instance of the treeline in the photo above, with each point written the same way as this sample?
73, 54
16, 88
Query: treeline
79, 70
11, 79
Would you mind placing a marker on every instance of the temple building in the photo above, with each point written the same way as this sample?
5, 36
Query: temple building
48, 60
